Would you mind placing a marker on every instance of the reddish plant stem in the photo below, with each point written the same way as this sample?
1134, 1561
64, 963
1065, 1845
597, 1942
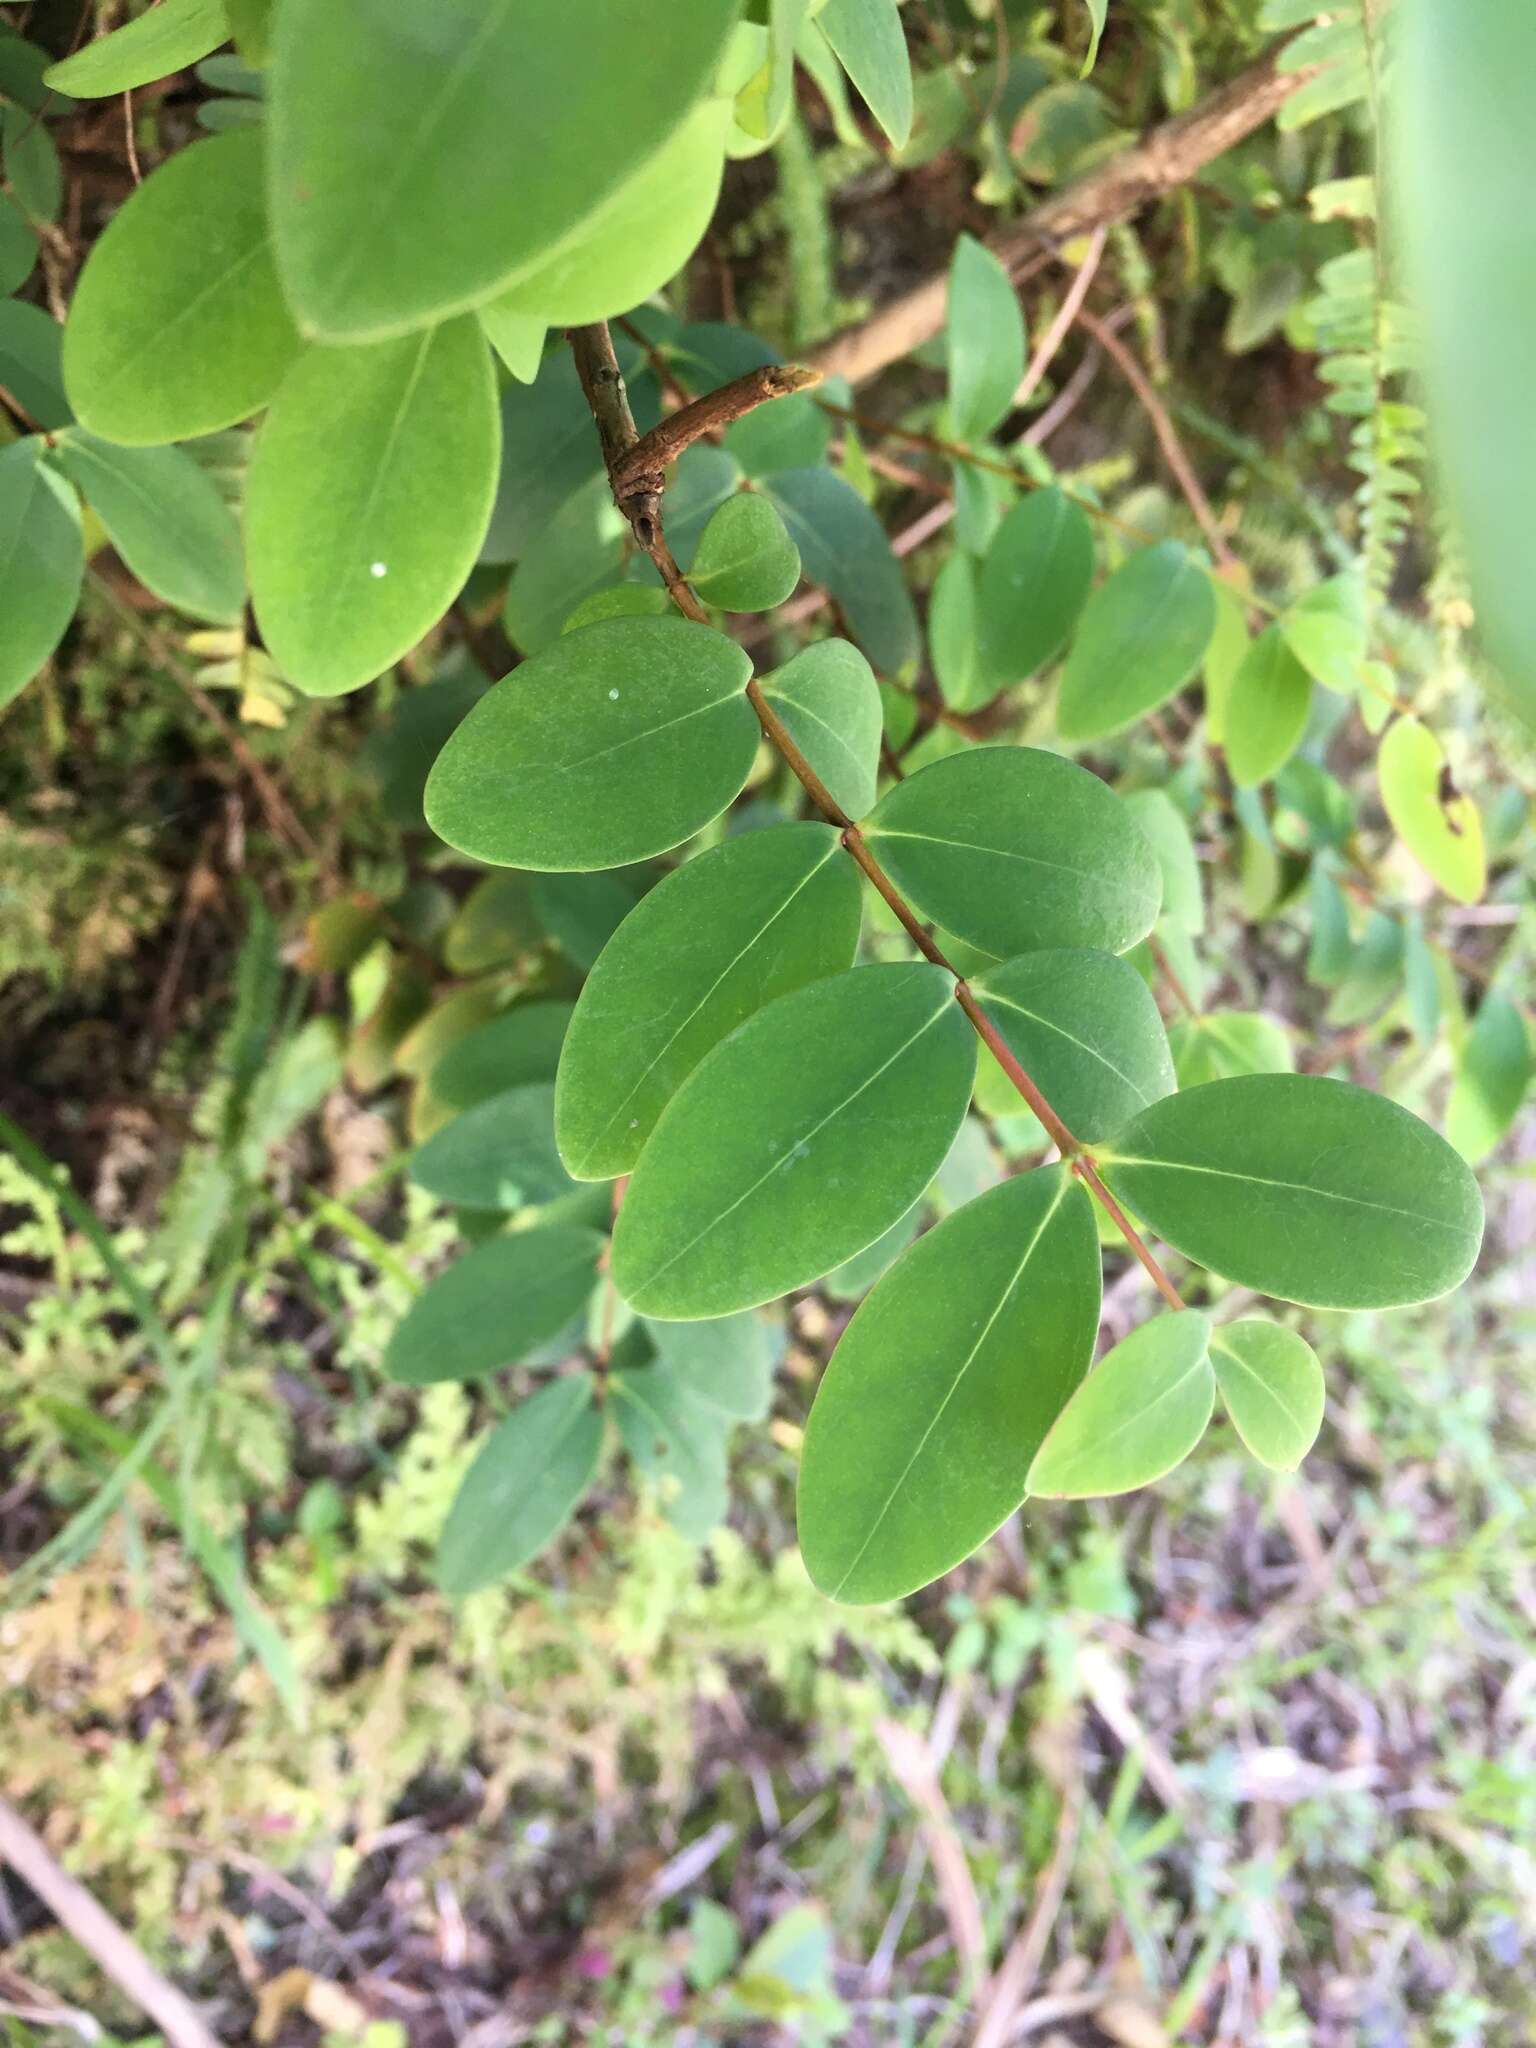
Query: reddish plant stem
604, 386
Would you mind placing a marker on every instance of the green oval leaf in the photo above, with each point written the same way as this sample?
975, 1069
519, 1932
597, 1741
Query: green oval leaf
1014, 849
166, 518
368, 498
422, 157
1162, 822
675, 1442
943, 1387
520, 1046
844, 548
1440, 826
953, 644
707, 947
637, 240
42, 559
167, 38
1272, 1387
1035, 579
619, 740
984, 338
829, 702
1224, 1043
1267, 711
494, 1305
498, 1155
1085, 1028
796, 1142
531, 1472
1143, 635
177, 325
31, 346
1139, 1413
1492, 1076
871, 47
745, 560
1305, 1188
725, 1363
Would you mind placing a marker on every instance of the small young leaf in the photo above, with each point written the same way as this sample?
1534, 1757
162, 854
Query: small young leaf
985, 340
529, 1476
745, 560
620, 740
725, 1363
867, 36
751, 920
844, 548
1142, 636
177, 326
494, 1305
829, 702
1014, 849
166, 518
167, 38
42, 559
1139, 1413
498, 1155
943, 1387
518, 338
1439, 825
421, 158
1267, 710
1224, 1043
1035, 580
368, 498
677, 1443
639, 238
521, 1045
1162, 823
1084, 1026
796, 1142
31, 346
1326, 631
1492, 1077
1309, 1189
1272, 1386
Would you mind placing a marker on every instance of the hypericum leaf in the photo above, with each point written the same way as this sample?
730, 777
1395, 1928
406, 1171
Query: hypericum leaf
638, 239
829, 701
1085, 1028
867, 36
1492, 1076
619, 741
498, 1155
1140, 1412
167, 38
1326, 631
1463, 157
1035, 580
421, 157
581, 913
984, 338
762, 105
521, 1045
844, 548
166, 518
1305, 1188
177, 325
677, 1443
1162, 823
796, 1142
494, 1305
943, 1387
751, 920
745, 560
1013, 849
42, 559
494, 925
368, 498
31, 345
1267, 710
725, 1363
1440, 826
1141, 638
1225, 1043
18, 246
532, 1470
1272, 1387
953, 643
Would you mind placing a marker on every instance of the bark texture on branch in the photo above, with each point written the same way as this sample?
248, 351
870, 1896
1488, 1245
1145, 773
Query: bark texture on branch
1165, 158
